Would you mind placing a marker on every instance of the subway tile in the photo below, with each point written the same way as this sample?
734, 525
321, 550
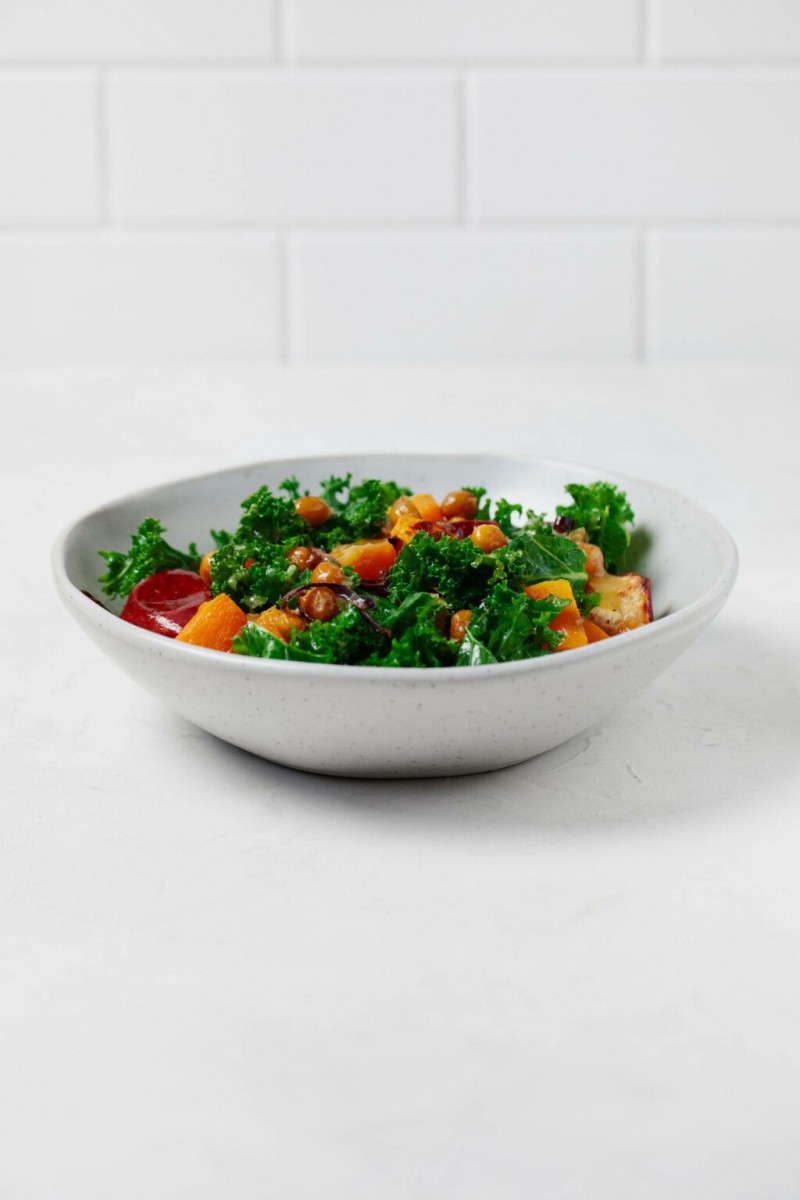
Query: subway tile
721, 295
136, 299
721, 30
460, 296
647, 146
311, 147
475, 30
48, 163
130, 30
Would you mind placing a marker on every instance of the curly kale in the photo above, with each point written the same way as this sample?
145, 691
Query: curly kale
358, 512
255, 574
509, 625
604, 512
455, 570
148, 554
504, 513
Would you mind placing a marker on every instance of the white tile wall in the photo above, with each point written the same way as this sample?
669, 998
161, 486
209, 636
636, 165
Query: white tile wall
48, 147
646, 146
713, 291
461, 30
137, 30
470, 296
214, 146
721, 30
137, 298
368, 179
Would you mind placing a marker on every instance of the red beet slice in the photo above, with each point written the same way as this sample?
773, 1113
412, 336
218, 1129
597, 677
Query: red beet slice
166, 601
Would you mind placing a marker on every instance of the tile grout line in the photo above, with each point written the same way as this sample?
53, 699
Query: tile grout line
103, 149
279, 31
647, 299
462, 184
283, 315
650, 24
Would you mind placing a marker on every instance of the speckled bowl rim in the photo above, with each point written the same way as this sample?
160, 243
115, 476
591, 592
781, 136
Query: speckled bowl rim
672, 624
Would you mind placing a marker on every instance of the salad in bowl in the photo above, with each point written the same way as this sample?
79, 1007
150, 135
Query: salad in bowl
374, 574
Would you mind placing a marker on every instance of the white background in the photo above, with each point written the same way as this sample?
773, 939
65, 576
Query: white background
347, 180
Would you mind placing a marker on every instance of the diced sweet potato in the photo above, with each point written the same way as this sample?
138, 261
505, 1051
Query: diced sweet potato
204, 570
406, 526
625, 602
369, 559
568, 620
214, 625
427, 507
593, 632
279, 622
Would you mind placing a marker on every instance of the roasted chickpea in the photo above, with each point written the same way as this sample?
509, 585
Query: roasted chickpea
488, 538
403, 506
328, 572
459, 504
304, 557
313, 509
321, 604
459, 622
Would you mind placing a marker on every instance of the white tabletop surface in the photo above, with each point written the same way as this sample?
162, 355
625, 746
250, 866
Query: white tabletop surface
576, 978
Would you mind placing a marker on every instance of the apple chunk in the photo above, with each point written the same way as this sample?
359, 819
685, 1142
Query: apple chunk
625, 602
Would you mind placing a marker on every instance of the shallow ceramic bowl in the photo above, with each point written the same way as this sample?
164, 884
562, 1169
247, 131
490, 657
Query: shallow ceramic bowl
379, 721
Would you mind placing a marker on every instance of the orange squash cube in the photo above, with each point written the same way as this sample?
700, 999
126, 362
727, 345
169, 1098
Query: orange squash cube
214, 625
568, 621
593, 632
369, 559
278, 622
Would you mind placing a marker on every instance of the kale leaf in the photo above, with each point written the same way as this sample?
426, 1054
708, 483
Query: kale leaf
418, 639
254, 573
270, 518
504, 512
533, 556
358, 512
455, 570
148, 554
603, 511
346, 639
509, 625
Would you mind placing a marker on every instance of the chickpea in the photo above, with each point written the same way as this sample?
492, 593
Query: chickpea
328, 572
488, 538
459, 622
305, 558
459, 504
321, 604
403, 506
313, 509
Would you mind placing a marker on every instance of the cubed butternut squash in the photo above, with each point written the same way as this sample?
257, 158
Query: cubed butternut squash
369, 559
568, 621
214, 625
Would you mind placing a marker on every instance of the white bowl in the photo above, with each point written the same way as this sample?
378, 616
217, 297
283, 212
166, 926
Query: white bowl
385, 722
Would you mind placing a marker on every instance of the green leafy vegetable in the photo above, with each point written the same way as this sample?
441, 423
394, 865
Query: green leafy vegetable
510, 625
455, 570
148, 554
604, 512
269, 518
504, 512
358, 512
255, 574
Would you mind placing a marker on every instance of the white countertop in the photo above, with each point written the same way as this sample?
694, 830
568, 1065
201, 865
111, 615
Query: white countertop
576, 978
